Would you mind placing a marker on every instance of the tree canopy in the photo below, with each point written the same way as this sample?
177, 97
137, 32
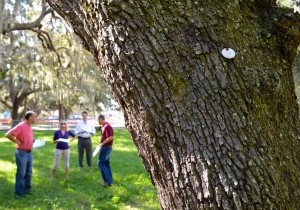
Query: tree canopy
43, 66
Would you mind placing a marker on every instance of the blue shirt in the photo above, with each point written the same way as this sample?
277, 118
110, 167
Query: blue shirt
62, 145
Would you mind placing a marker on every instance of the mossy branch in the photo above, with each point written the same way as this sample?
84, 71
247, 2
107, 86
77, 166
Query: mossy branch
289, 25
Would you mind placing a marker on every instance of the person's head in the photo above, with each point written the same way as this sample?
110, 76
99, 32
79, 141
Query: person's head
30, 117
63, 125
84, 115
101, 119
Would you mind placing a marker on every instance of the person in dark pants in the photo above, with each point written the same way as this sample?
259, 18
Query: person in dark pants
106, 149
22, 135
84, 130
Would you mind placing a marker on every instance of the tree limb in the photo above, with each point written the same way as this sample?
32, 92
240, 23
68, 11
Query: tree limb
288, 24
25, 94
35, 26
281, 22
47, 42
26, 26
6, 104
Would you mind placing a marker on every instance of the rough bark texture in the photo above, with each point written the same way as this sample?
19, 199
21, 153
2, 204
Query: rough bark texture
213, 133
18, 96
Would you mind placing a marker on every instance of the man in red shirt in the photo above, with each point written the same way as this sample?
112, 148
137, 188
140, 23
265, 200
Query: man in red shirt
106, 148
22, 135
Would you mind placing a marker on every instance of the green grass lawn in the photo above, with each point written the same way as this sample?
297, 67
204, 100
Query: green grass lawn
132, 188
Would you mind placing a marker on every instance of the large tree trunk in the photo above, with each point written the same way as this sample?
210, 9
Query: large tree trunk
213, 132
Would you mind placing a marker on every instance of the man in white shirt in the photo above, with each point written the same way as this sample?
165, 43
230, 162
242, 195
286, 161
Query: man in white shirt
84, 130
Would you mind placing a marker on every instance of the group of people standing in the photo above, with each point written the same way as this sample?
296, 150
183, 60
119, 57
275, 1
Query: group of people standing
22, 135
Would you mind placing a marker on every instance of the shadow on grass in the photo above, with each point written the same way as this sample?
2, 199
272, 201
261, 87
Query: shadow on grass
6, 188
131, 189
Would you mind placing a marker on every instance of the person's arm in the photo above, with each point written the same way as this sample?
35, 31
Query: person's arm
109, 139
11, 137
73, 136
55, 138
93, 130
77, 129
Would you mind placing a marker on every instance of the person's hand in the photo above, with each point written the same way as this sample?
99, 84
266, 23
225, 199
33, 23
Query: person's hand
18, 142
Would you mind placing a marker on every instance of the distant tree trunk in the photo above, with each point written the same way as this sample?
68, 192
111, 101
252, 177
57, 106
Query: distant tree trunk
18, 96
61, 111
15, 115
214, 133
64, 112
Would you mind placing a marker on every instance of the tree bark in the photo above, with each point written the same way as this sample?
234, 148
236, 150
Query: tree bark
17, 96
214, 133
62, 111
15, 115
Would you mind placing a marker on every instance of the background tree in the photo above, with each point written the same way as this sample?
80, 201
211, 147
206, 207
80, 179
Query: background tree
212, 132
34, 54
22, 73
76, 86
22, 69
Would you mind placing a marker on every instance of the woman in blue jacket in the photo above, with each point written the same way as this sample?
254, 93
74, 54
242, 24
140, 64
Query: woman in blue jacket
61, 139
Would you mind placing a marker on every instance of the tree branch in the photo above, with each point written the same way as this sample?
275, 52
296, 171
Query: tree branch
47, 42
25, 94
282, 23
288, 23
36, 26
26, 26
6, 104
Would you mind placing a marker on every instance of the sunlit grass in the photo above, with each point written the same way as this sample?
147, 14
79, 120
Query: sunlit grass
132, 188
126, 149
7, 166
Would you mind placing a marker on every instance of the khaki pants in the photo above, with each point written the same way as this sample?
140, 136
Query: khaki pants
57, 156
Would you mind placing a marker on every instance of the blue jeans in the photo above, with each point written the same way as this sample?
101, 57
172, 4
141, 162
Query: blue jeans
24, 172
104, 164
